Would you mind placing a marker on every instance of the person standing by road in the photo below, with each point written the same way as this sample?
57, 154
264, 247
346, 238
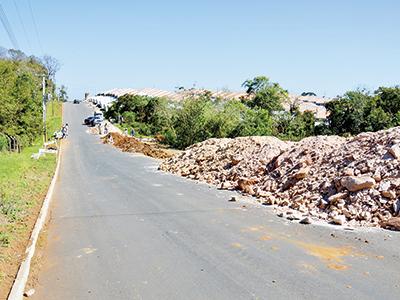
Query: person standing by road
132, 132
64, 131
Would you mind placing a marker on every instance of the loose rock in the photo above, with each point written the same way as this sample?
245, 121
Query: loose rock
306, 220
392, 224
29, 293
339, 219
334, 179
354, 183
395, 151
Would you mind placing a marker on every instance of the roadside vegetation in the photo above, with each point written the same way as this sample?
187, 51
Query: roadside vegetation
360, 111
261, 112
201, 117
23, 180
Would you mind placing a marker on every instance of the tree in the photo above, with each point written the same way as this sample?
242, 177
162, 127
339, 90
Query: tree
265, 94
347, 114
191, 120
377, 119
224, 120
16, 55
253, 86
255, 122
389, 99
51, 64
21, 99
309, 94
62, 93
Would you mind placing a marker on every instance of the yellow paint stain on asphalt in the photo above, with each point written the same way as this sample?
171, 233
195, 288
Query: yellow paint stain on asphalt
265, 238
237, 245
333, 256
252, 229
325, 252
337, 267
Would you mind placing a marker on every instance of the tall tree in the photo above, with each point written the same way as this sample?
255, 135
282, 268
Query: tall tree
62, 93
52, 65
265, 94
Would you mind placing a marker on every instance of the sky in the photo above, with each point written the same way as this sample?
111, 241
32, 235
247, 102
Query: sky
327, 47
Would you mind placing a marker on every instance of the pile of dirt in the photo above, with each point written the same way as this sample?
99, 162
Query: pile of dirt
353, 181
132, 144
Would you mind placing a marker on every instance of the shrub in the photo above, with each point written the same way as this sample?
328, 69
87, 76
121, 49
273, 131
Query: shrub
3, 143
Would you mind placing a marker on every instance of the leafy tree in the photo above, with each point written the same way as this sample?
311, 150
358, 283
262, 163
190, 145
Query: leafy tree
347, 113
21, 97
62, 93
148, 115
265, 94
388, 98
255, 122
191, 120
295, 125
226, 119
377, 119
259, 83
309, 94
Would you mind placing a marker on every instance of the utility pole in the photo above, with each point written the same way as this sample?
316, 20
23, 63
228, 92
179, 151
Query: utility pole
44, 109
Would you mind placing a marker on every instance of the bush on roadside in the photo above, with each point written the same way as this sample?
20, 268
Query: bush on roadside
261, 112
359, 111
21, 96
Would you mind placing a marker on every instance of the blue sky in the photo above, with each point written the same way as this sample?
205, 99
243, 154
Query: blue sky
323, 46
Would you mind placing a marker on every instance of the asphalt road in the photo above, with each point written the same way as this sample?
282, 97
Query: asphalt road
120, 229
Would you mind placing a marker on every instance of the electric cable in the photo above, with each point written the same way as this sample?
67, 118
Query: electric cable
23, 25
8, 28
35, 26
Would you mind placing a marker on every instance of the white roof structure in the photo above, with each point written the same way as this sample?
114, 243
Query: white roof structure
310, 103
174, 96
306, 103
104, 101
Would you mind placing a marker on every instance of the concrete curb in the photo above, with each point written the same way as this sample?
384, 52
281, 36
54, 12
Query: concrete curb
18, 288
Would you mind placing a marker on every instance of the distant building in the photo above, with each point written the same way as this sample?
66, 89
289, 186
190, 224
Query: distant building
307, 102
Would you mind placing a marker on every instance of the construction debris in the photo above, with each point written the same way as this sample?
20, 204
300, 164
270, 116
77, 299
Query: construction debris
132, 144
345, 181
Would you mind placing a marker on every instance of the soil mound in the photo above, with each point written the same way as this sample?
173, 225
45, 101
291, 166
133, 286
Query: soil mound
132, 144
353, 181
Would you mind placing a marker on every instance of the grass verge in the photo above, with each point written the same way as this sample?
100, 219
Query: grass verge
23, 186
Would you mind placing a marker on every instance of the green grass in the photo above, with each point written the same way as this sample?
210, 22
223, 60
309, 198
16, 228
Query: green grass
24, 182
54, 117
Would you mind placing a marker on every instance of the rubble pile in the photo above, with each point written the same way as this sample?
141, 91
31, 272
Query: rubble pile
353, 181
132, 144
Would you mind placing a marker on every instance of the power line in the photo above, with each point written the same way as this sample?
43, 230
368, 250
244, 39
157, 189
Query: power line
35, 26
8, 28
23, 25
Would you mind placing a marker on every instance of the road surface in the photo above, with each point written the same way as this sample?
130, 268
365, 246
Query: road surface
120, 229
